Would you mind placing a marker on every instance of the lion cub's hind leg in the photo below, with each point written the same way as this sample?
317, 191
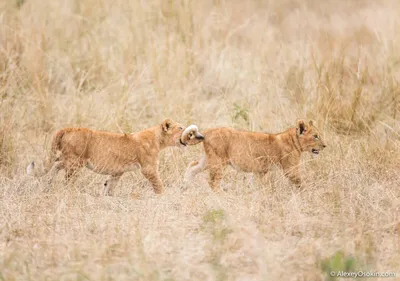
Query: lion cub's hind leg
57, 166
216, 174
216, 166
72, 165
194, 168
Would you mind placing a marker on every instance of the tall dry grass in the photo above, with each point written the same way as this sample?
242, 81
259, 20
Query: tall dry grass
257, 65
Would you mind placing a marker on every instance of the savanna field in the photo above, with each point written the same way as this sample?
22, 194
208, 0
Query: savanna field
124, 66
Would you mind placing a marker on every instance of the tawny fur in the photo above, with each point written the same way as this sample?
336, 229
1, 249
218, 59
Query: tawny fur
112, 153
255, 152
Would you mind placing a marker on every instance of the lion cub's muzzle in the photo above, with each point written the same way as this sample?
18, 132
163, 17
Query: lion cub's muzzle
317, 150
181, 142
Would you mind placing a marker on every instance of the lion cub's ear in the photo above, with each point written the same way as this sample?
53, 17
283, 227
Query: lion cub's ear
301, 126
166, 125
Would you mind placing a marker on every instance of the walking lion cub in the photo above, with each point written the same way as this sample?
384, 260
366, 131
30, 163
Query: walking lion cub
255, 152
113, 153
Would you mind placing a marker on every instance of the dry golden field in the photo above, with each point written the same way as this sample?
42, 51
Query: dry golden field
258, 65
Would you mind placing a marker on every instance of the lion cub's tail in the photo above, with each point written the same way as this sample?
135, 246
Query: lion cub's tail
30, 170
54, 156
193, 163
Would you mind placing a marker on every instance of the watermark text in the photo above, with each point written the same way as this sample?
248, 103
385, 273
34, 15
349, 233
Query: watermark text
361, 274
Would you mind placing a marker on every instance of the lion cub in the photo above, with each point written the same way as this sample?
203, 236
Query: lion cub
255, 152
114, 154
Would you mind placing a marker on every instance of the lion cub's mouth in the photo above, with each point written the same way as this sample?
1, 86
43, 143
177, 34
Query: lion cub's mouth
315, 151
181, 143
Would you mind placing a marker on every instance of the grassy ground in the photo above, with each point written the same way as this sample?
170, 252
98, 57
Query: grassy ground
258, 65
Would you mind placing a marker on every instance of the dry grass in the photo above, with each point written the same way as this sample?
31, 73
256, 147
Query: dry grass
255, 65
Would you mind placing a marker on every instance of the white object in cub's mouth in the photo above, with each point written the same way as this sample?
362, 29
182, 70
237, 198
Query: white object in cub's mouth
188, 130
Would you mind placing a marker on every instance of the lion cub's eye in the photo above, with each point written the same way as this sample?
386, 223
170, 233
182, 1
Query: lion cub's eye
180, 128
190, 135
316, 137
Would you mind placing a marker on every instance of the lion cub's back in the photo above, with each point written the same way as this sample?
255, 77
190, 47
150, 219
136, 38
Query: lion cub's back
230, 137
227, 142
220, 140
74, 140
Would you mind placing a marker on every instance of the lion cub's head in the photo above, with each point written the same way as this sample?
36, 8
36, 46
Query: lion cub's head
309, 137
175, 134
172, 132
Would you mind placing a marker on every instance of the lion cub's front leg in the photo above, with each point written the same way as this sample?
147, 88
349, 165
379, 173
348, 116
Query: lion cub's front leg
293, 174
151, 173
291, 170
